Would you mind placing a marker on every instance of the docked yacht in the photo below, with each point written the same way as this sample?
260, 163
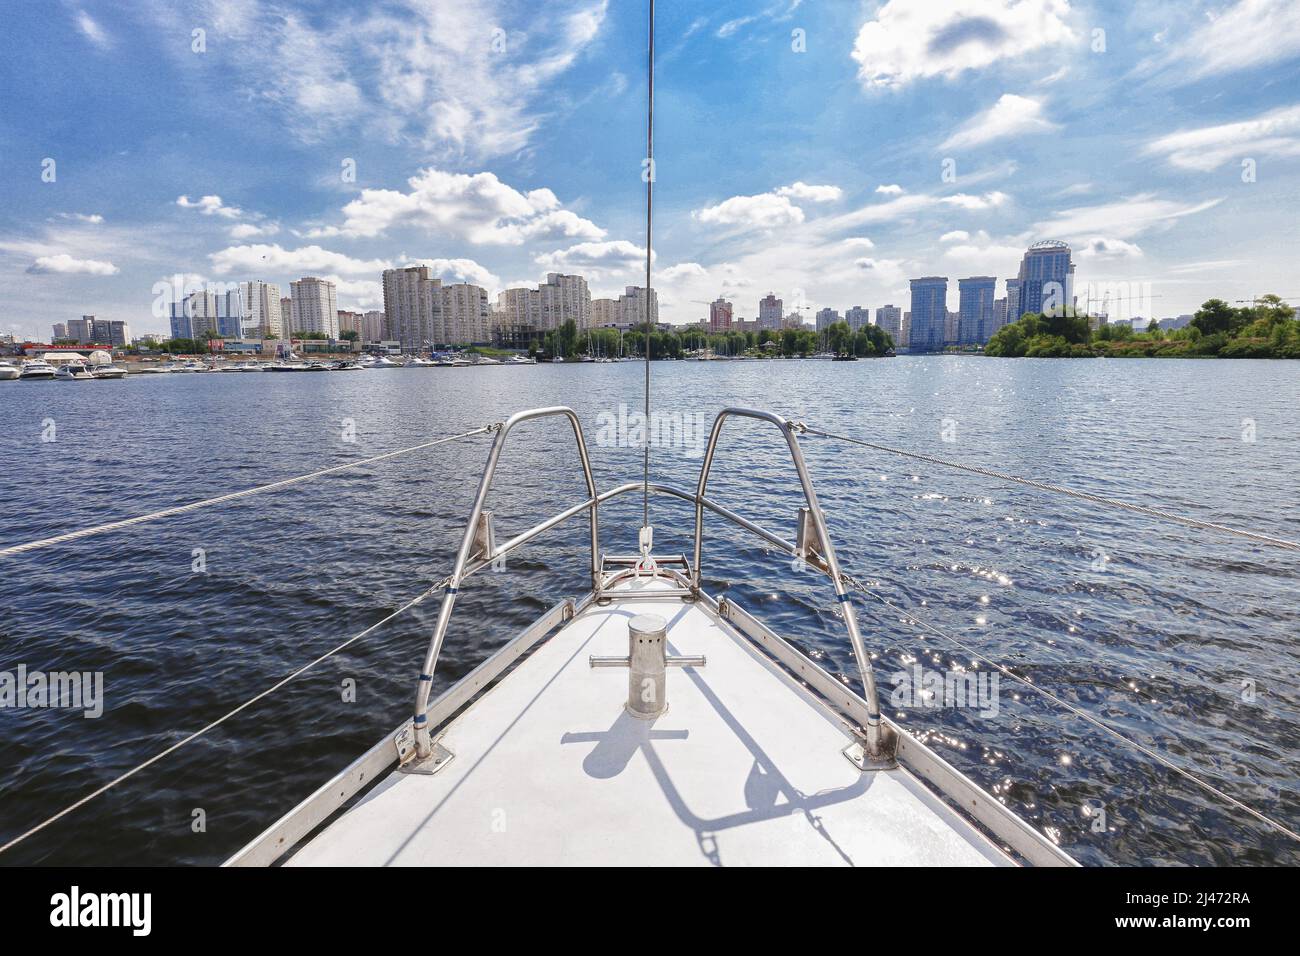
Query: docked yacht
8, 372
107, 372
36, 369
74, 372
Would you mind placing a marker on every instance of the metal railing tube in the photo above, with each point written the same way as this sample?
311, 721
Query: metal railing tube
424, 686
874, 741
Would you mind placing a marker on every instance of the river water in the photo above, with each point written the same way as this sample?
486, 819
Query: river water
1183, 640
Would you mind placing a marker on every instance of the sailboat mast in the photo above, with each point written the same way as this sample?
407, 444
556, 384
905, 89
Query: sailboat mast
649, 222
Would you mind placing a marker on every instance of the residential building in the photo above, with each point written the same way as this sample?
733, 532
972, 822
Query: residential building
631, 311
60, 331
564, 298
466, 318
315, 306
720, 315
771, 310
201, 314
826, 318
975, 310
413, 307
929, 313
374, 327
1046, 277
262, 317
857, 317
890, 319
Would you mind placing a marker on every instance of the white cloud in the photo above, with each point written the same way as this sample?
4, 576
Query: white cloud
682, 270
357, 293
246, 230
92, 30
93, 219
1010, 115
64, 264
801, 190
967, 201
764, 211
1123, 219
460, 270
859, 242
957, 235
890, 189
909, 41
599, 259
210, 206
1101, 247
271, 259
1250, 34
1276, 133
477, 208
436, 76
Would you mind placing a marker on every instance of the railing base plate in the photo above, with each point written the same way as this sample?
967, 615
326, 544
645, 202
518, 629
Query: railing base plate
858, 756
438, 758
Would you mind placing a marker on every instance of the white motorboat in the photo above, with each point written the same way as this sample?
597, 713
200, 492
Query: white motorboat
520, 360
315, 367
8, 372
35, 370
74, 372
107, 372
384, 361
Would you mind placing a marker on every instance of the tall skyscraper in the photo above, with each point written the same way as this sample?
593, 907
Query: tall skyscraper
771, 311
999, 315
261, 308
857, 317
632, 306
826, 318
1046, 277
564, 298
466, 319
720, 315
60, 331
413, 306
202, 313
890, 319
929, 313
975, 309
1013, 300
604, 313
286, 317
315, 306
374, 326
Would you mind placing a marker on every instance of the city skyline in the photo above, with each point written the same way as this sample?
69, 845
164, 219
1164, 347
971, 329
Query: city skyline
859, 147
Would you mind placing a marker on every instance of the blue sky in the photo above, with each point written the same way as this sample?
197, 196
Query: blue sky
801, 147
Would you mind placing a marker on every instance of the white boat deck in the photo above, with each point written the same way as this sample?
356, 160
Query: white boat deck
743, 769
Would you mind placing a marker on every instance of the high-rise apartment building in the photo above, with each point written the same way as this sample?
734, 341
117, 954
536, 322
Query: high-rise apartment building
564, 298
374, 326
632, 307
1046, 277
890, 319
315, 306
929, 313
466, 318
604, 313
202, 313
413, 306
826, 318
720, 315
857, 317
262, 317
771, 310
975, 309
